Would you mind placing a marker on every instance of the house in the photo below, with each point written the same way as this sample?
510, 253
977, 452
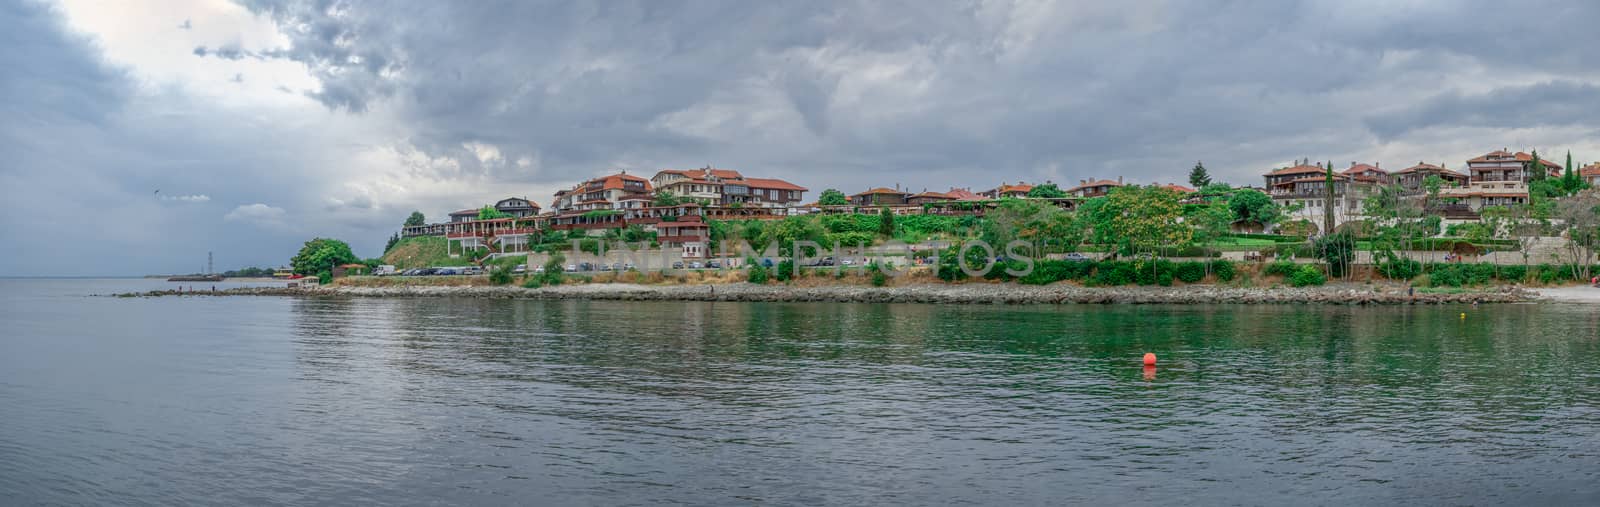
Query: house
1475, 196
727, 187
686, 232
1502, 165
1369, 173
1178, 188
963, 194
879, 197
1411, 179
1591, 174
517, 207
1303, 188
466, 215
926, 197
605, 192
1018, 190
1094, 188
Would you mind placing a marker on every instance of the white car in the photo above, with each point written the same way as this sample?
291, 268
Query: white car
572, 268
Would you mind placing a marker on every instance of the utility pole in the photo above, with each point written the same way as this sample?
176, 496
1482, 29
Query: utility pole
209, 268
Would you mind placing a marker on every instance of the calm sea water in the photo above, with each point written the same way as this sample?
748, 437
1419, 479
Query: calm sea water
257, 400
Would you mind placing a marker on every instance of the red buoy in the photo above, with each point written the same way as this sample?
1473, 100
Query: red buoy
1149, 358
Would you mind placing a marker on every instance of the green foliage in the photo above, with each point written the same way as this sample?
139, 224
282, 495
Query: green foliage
324, 277
322, 254
885, 222
500, 274
1047, 191
554, 270
832, 197
1339, 251
251, 272
416, 219
879, 279
1224, 269
664, 198
1191, 272
1283, 268
393, 240
532, 282
1395, 267
849, 239
1136, 219
1254, 206
1512, 273
785, 270
1307, 275
757, 273
489, 213
1113, 273
1198, 178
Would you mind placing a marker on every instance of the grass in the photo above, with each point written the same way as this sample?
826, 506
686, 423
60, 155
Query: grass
422, 252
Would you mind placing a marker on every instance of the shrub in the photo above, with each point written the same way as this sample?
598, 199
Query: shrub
531, 282
1307, 275
757, 274
500, 275
1395, 267
1112, 273
1223, 268
785, 270
1548, 274
1512, 273
1283, 268
879, 279
1191, 272
554, 270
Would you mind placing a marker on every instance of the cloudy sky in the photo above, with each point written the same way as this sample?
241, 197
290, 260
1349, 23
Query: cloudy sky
138, 137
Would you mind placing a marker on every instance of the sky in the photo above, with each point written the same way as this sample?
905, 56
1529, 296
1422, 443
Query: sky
139, 136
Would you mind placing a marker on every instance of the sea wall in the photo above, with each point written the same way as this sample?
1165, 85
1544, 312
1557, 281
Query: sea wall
975, 293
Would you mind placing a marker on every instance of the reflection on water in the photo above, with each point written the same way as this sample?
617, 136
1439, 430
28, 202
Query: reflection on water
564, 402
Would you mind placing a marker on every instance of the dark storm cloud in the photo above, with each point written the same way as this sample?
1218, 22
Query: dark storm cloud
848, 93
1560, 103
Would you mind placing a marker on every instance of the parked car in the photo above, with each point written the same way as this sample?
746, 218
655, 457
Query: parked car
825, 261
572, 268
585, 266
625, 267
470, 270
538, 269
695, 265
847, 262
677, 265
521, 268
605, 267
1075, 256
766, 263
713, 265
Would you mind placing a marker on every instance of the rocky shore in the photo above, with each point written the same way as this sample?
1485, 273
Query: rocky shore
976, 293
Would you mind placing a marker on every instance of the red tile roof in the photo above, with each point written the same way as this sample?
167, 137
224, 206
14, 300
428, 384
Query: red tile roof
1502, 155
881, 190
1363, 168
932, 195
464, 212
962, 194
1302, 168
1101, 183
1590, 170
772, 183
1006, 189
1178, 188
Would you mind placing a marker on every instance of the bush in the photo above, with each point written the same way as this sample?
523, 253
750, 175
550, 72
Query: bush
554, 270
531, 282
1548, 274
757, 274
1284, 268
1395, 267
1112, 273
1307, 275
879, 279
1223, 268
1191, 272
1512, 273
500, 275
785, 270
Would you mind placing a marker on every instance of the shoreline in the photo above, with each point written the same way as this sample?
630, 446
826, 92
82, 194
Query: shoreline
932, 293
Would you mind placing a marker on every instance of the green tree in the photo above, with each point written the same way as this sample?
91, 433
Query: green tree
416, 219
1536, 168
1139, 219
832, 197
886, 222
1210, 222
1047, 191
489, 213
1433, 183
393, 240
664, 198
1254, 206
1338, 250
1198, 178
322, 254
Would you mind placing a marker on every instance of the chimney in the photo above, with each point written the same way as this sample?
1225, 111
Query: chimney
1119, 179
1352, 163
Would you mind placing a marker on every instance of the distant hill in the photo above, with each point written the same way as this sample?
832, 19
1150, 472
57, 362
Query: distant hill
421, 252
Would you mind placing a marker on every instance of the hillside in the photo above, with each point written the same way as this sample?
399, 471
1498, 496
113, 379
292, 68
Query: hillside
421, 252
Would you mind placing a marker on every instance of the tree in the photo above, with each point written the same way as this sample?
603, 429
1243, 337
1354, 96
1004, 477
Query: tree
1198, 178
489, 213
1432, 184
393, 240
1253, 206
1581, 215
832, 197
321, 255
1536, 168
664, 198
416, 219
1210, 222
886, 222
1047, 191
1139, 219
1338, 250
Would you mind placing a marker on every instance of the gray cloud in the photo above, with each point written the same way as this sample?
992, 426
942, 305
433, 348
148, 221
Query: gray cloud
457, 95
